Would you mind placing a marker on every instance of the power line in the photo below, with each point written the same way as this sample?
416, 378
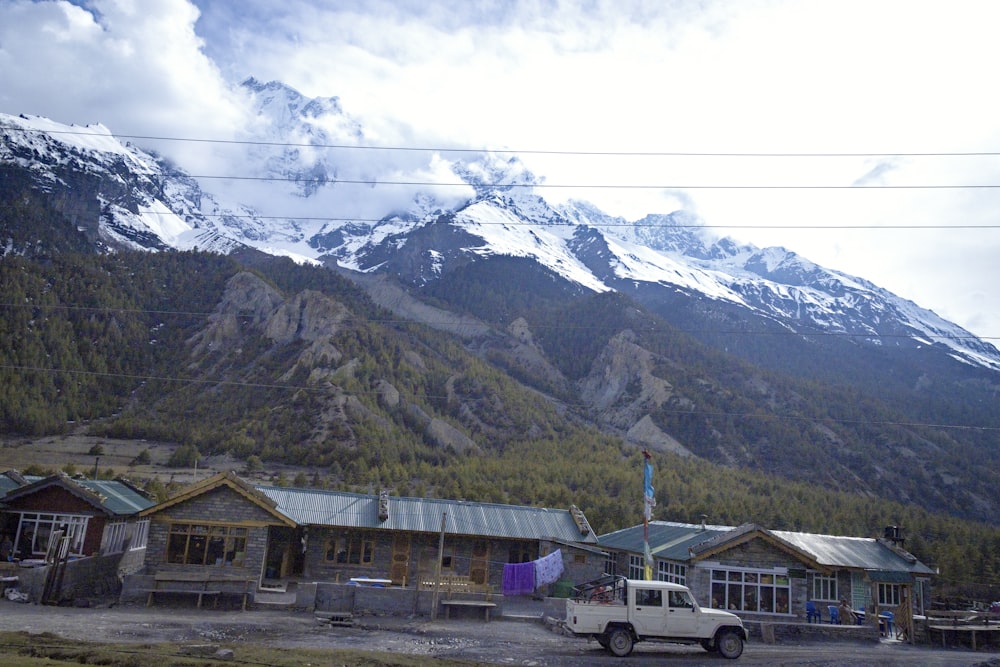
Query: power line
609, 223
445, 149
597, 186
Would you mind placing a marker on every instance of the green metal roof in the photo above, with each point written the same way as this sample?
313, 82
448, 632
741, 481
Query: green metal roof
668, 540
353, 510
864, 553
112, 496
117, 497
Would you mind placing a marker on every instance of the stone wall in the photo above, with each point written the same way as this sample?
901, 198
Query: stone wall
374, 601
85, 581
778, 632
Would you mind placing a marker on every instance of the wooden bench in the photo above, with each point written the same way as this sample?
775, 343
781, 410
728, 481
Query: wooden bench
201, 584
485, 605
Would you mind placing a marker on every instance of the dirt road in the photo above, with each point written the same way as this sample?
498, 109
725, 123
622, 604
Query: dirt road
500, 642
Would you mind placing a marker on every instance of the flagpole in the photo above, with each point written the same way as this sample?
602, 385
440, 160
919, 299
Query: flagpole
648, 503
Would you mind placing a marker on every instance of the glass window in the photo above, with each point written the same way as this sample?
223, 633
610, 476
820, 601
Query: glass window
888, 594
825, 587
636, 567
672, 572
198, 544
352, 548
34, 530
113, 541
645, 597
680, 600
750, 590
138, 534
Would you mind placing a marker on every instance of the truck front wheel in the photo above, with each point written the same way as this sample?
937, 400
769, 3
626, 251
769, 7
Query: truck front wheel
730, 644
620, 642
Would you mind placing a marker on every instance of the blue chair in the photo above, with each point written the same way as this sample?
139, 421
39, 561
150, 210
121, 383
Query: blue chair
812, 612
834, 615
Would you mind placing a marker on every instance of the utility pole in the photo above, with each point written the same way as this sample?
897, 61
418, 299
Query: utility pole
437, 576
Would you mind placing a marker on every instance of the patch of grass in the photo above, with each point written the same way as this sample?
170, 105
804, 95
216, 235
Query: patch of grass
24, 649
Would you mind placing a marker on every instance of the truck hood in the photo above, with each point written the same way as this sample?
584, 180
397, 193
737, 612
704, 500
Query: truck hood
721, 616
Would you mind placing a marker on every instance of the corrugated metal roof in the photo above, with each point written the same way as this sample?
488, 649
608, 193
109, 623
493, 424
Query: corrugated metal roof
118, 498
668, 540
856, 552
335, 508
6, 485
115, 497
12, 479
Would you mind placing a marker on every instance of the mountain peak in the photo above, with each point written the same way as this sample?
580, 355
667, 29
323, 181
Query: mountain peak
660, 254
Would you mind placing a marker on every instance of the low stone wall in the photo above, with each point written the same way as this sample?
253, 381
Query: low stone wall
777, 633
85, 581
375, 601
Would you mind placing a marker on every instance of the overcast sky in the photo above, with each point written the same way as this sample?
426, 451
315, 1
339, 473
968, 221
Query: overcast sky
881, 80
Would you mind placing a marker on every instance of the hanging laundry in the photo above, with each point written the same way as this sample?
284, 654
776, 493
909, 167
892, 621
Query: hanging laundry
518, 578
549, 568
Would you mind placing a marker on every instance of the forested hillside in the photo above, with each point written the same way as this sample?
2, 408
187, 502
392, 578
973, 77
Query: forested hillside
260, 357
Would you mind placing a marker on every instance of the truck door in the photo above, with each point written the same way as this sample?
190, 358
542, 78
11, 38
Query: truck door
649, 615
682, 620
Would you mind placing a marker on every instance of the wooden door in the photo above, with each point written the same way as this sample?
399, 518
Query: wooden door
400, 566
479, 570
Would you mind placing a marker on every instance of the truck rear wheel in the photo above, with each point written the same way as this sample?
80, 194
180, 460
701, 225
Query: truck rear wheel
620, 642
730, 644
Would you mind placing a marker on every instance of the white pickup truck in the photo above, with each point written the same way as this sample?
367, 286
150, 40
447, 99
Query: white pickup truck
619, 612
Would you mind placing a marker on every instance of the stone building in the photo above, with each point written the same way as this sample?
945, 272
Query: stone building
771, 575
220, 522
271, 534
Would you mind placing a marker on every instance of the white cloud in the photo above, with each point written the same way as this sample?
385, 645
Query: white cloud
136, 67
758, 76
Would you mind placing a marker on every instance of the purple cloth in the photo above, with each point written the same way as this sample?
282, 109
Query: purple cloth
519, 578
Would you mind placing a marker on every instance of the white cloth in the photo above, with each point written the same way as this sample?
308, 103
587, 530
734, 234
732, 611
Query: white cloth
549, 568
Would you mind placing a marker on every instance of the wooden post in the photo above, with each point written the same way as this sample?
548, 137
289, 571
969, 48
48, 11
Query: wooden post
437, 576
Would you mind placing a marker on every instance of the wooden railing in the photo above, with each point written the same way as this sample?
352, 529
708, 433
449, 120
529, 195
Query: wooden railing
453, 583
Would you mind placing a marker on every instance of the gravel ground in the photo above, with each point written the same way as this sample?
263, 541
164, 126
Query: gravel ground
502, 642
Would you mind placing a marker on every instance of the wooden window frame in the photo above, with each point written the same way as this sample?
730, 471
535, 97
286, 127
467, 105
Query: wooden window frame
343, 547
202, 541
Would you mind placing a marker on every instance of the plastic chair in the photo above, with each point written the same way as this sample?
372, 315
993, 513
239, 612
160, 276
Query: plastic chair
812, 612
834, 615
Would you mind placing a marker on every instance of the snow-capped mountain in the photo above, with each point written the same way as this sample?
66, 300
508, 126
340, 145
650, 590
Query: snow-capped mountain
297, 170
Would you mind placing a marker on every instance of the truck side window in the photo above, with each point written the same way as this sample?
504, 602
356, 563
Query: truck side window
680, 599
648, 598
